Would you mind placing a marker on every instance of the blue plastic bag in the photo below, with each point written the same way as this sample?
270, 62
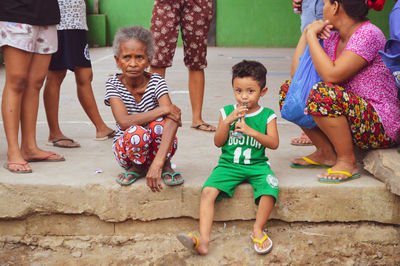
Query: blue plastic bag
303, 80
391, 58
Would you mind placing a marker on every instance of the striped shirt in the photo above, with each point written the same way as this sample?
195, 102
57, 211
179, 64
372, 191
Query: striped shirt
156, 88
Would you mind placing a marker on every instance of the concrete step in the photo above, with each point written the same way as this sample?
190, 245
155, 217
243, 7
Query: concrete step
73, 187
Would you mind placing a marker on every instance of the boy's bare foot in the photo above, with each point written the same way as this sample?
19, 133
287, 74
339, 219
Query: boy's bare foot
261, 242
202, 247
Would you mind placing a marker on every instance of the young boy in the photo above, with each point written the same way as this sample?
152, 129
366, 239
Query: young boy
243, 158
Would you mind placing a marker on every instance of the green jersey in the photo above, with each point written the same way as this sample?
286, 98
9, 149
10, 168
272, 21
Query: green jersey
246, 150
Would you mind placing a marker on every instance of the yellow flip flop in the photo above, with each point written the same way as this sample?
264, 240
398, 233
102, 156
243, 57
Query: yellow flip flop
312, 164
337, 181
261, 250
187, 241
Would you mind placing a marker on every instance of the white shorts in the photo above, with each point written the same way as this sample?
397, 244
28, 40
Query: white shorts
34, 39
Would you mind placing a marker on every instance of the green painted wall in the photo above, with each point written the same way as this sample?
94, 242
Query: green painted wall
121, 13
268, 23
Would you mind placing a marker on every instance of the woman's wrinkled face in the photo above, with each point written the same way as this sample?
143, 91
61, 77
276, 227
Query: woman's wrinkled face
132, 58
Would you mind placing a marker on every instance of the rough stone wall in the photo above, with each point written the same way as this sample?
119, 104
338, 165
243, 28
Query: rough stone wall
87, 240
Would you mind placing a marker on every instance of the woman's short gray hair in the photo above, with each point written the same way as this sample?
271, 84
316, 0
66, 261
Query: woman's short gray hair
134, 33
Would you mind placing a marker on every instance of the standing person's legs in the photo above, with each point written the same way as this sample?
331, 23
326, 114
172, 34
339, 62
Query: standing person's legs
196, 92
84, 77
195, 25
17, 64
51, 97
30, 104
165, 22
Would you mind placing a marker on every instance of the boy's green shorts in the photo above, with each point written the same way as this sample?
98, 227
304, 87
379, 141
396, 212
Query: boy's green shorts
226, 176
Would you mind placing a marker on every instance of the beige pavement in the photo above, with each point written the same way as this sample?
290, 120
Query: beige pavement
74, 186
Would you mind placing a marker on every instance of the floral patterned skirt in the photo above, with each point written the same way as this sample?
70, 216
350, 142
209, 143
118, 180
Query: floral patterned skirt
327, 99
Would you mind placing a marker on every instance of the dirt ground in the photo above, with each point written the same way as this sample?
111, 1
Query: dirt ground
294, 244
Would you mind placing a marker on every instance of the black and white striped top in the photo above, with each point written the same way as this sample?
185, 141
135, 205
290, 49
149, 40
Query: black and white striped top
156, 88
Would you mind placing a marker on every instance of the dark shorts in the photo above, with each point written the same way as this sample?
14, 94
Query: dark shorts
73, 51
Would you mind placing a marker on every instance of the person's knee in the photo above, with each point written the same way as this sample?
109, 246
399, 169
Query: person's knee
209, 194
18, 83
83, 78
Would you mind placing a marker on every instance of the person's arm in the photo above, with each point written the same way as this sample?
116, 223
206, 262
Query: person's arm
346, 66
269, 140
153, 176
301, 46
221, 135
126, 120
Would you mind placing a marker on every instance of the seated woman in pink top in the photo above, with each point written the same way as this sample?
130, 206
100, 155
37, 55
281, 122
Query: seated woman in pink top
357, 101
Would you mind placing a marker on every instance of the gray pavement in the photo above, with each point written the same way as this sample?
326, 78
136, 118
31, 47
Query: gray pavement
302, 197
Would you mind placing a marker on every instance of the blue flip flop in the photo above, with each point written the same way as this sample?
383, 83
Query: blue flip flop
311, 164
337, 181
173, 182
126, 178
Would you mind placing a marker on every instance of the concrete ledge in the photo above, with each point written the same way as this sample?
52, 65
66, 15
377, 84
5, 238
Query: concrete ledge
75, 189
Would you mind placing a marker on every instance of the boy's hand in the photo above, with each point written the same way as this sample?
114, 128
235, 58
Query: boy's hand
238, 113
242, 127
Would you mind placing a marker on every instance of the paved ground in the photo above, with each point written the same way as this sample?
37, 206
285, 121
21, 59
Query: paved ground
72, 194
195, 147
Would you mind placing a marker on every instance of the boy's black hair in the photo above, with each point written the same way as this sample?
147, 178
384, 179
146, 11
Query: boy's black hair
249, 68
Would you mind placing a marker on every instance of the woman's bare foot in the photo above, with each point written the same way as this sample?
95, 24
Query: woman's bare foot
302, 140
133, 172
41, 155
323, 158
342, 166
104, 133
201, 125
62, 141
172, 178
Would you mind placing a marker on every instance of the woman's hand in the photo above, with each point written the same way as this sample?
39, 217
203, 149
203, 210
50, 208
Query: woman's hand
319, 28
153, 177
175, 114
